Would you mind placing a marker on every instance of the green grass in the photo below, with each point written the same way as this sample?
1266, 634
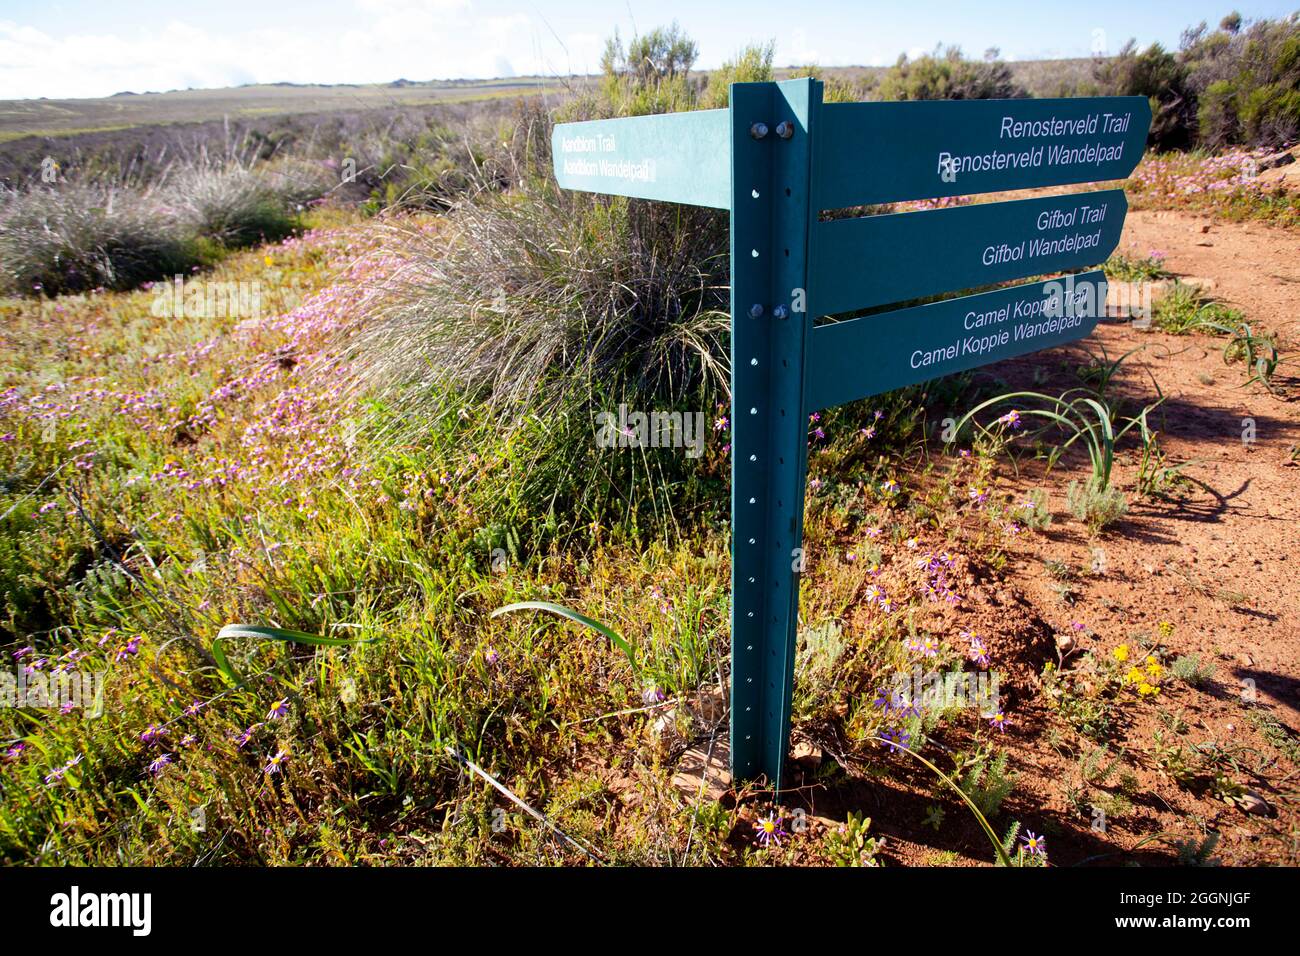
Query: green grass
217, 511
161, 481
1134, 268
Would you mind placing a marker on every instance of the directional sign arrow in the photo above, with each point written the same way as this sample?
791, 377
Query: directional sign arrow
888, 152
675, 157
877, 260
876, 353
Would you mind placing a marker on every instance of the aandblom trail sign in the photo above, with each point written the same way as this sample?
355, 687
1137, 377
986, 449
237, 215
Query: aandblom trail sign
777, 159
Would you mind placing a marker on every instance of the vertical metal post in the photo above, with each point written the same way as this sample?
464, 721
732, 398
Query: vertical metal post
772, 127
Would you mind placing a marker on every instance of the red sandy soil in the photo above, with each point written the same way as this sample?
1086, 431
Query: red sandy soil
1219, 560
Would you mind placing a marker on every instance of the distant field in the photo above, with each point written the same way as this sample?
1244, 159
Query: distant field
44, 117
143, 132
19, 118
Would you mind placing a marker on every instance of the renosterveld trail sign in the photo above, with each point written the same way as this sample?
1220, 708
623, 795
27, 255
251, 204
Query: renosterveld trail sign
777, 158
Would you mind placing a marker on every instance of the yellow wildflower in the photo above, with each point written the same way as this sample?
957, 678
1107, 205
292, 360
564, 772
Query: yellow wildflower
1121, 653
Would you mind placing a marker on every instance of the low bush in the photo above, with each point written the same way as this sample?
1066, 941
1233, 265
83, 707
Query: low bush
946, 74
547, 301
237, 205
70, 238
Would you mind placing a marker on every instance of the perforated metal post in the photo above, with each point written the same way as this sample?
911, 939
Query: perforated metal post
771, 214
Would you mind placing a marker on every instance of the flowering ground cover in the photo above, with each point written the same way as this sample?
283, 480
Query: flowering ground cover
1227, 185
163, 476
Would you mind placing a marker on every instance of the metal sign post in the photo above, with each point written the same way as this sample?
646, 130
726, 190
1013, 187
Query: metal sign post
777, 158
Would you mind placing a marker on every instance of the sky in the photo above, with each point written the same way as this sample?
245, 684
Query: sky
89, 48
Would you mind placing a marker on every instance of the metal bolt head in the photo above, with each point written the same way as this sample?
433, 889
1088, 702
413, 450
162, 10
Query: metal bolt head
755, 311
758, 130
780, 312
785, 129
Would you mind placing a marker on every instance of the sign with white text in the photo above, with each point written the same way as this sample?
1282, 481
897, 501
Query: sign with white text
777, 158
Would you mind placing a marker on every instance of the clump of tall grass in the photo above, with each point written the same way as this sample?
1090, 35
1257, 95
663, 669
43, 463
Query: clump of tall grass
1186, 308
70, 238
239, 205
548, 306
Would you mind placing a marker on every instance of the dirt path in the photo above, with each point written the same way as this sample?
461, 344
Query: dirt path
1221, 560
1241, 536
1218, 559
1254, 267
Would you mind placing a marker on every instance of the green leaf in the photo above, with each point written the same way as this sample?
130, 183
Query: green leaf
572, 615
259, 633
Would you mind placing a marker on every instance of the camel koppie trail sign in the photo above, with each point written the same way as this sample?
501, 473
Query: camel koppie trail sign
778, 158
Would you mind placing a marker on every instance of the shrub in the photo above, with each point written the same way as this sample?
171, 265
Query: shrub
988, 783
946, 74
1188, 668
1234, 85
1095, 504
542, 301
1161, 77
237, 205
1247, 81
753, 64
650, 75
71, 238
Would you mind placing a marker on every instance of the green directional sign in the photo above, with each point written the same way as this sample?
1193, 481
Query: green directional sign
888, 152
858, 358
877, 260
675, 157
776, 158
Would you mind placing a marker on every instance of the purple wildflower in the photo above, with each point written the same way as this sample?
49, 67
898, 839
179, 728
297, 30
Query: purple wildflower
770, 831
276, 762
157, 766
895, 739
152, 733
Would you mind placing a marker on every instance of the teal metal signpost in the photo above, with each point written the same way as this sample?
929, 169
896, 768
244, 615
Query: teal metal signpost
778, 158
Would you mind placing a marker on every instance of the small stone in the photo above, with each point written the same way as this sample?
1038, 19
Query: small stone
1284, 158
705, 769
806, 754
1245, 660
708, 705
1066, 644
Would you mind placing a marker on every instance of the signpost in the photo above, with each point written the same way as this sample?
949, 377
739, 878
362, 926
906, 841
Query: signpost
778, 158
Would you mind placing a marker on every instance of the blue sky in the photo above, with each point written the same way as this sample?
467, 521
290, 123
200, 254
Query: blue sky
69, 48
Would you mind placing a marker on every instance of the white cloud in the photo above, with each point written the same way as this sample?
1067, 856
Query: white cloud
382, 41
